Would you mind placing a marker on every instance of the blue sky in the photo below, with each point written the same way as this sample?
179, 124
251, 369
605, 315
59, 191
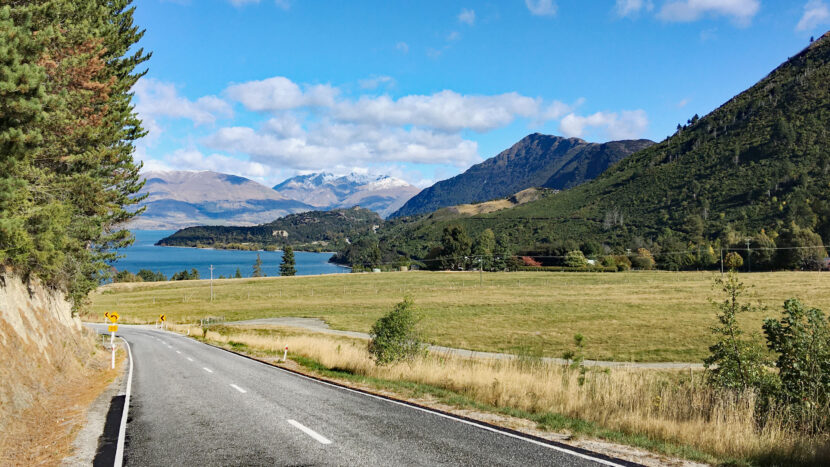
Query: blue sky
423, 89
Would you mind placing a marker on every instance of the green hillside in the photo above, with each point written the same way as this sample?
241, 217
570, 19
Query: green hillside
757, 168
313, 230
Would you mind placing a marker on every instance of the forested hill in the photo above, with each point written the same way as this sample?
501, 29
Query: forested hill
758, 167
537, 160
313, 230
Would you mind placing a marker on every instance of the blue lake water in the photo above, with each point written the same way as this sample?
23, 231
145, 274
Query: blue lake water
143, 254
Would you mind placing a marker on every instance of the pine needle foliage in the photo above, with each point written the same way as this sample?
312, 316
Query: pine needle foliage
67, 134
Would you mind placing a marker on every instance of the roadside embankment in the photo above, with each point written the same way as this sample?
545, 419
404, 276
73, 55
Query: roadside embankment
51, 370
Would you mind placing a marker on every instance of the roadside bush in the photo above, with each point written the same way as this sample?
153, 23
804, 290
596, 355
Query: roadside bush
394, 337
126, 276
802, 340
608, 262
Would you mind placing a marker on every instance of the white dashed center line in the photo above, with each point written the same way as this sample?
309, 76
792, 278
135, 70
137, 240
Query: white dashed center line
178, 351
189, 359
207, 369
317, 436
238, 388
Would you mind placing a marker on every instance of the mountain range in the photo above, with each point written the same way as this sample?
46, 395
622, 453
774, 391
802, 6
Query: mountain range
755, 168
177, 199
382, 194
537, 160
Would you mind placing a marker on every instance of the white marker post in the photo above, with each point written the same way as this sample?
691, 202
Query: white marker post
112, 345
285, 354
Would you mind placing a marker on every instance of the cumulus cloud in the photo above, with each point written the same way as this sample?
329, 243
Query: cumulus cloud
541, 7
467, 16
816, 12
632, 7
280, 93
159, 99
328, 144
741, 11
445, 110
627, 124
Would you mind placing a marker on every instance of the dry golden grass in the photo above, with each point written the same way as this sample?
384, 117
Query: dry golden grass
635, 316
42, 433
670, 407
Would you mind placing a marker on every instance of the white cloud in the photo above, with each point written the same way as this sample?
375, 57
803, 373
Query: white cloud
328, 144
453, 36
192, 159
279, 93
741, 11
402, 46
632, 7
541, 7
627, 124
683, 103
376, 81
816, 12
446, 110
159, 99
467, 16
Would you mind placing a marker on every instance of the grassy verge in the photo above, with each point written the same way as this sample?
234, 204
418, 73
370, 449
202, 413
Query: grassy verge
534, 312
668, 412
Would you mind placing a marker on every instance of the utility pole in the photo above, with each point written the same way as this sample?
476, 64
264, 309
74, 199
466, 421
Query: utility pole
748, 255
211, 282
481, 271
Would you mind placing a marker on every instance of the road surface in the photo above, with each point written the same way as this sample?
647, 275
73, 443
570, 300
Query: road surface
193, 404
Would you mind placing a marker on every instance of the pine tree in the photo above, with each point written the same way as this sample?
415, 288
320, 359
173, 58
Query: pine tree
287, 265
258, 267
238, 274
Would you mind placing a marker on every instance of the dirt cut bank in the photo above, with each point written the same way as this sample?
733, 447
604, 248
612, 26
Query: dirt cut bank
50, 371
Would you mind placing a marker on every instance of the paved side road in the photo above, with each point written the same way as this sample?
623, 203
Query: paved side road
193, 404
318, 325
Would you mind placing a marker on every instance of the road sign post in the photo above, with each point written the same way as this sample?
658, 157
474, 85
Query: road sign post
285, 354
113, 317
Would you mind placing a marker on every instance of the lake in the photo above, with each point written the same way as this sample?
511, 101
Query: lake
144, 254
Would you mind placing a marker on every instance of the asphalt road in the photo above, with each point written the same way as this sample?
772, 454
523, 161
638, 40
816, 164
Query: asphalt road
193, 404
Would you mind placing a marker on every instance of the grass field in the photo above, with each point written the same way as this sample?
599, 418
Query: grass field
633, 316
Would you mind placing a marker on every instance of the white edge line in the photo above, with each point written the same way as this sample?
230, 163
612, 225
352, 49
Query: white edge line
439, 414
122, 431
207, 369
317, 436
238, 388
450, 417
189, 359
178, 351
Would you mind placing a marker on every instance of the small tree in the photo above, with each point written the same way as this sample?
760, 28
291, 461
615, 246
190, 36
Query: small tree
238, 274
643, 259
802, 340
257, 267
483, 247
455, 247
287, 265
735, 362
394, 337
733, 260
575, 259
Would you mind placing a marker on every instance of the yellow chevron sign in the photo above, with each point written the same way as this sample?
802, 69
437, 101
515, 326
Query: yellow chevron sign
112, 316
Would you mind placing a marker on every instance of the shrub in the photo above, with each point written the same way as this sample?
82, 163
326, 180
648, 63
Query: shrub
394, 337
735, 362
733, 260
643, 259
575, 259
802, 340
623, 262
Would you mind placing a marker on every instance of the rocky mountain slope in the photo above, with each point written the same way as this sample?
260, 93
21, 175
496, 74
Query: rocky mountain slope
179, 199
382, 194
537, 160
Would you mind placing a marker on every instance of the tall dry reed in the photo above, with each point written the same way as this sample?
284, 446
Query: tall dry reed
662, 405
